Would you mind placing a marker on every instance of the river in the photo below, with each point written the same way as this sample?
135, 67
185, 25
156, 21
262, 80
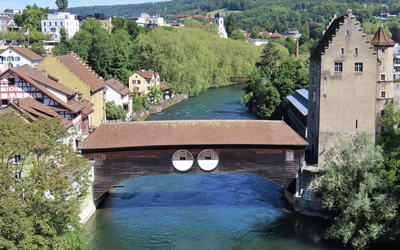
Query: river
203, 211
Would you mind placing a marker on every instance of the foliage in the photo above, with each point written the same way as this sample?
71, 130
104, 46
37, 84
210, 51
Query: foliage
356, 193
114, 112
156, 94
63, 47
140, 101
260, 95
194, 58
31, 17
38, 48
62, 5
272, 55
237, 35
30, 218
231, 25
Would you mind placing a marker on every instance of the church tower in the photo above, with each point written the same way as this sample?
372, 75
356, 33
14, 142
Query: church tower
219, 23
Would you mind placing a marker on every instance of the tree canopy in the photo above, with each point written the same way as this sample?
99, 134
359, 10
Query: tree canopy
356, 193
114, 111
40, 210
62, 5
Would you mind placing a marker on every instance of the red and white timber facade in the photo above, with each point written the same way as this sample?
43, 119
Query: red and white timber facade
21, 82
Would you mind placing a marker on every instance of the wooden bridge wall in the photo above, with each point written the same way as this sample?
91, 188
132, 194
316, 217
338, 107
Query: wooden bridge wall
122, 165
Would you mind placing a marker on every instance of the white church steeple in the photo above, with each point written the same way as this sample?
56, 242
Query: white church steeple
219, 23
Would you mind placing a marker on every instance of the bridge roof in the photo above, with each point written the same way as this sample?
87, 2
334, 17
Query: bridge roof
192, 132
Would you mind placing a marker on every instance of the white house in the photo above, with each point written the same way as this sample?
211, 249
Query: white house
145, 20
15, 56
55, 21
119, 94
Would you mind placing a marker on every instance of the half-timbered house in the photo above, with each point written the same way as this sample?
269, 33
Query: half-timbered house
21, 82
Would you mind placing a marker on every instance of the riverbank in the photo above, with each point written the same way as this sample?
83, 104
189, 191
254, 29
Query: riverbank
142, 114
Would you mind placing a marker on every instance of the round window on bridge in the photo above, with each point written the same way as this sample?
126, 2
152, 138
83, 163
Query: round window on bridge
182, 160
208, 160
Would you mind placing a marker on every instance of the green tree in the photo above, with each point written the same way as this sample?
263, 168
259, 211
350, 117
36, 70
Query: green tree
63, 47
140, 101
237, 35
272, 55
355, 192
114, 111
156, 94
231, 25
62, 5
255, 33
39, 49
31, 17
40, 210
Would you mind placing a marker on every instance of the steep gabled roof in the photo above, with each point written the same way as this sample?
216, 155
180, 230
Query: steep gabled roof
147, 74
194, 132
329, 33
74, 106
37, 110
86, 75
40, 77
117, 86
25, 52
381, 38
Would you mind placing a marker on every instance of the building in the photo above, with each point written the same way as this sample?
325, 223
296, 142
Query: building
145, 20
76, 75
219, 23
22, 82
119, 94
257, 42
15, 56
293, 33
55, 21
297, 111
350, 82
141, 81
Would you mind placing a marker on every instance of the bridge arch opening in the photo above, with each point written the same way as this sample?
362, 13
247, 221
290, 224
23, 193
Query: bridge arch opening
182, 160
208, 160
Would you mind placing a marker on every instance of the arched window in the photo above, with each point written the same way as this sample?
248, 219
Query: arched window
182, 160
208, 160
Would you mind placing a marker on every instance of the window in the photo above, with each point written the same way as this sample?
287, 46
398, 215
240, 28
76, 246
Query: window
182, 160
313, 115
208, 160
356, 51
358, 67
49, 23
313, 64
44, 24
53, 29
356, 123
313, 96
383, 94
137, 89
11, 81
133, 81
313, 81
126, 106
383, 77
342, 51
55, 24
17, 58
138, 81
4, 102
148, 88
382, 112
347, 32
44, 29
338, 67
397, 61
383, 50
289, 155
61, 24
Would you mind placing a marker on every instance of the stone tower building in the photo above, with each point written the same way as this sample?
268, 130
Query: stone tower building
350, 82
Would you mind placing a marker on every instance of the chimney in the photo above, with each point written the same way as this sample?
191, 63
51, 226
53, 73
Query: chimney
297, 49
44, 73
142, 70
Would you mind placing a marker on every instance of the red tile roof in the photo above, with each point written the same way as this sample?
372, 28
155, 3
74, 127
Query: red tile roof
381, 38
147, 74
40, 76
86, 75
37, 110
195, 132
25, 52
164, 85
25, 73
117, 86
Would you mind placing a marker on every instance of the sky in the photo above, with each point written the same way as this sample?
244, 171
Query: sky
9, 4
